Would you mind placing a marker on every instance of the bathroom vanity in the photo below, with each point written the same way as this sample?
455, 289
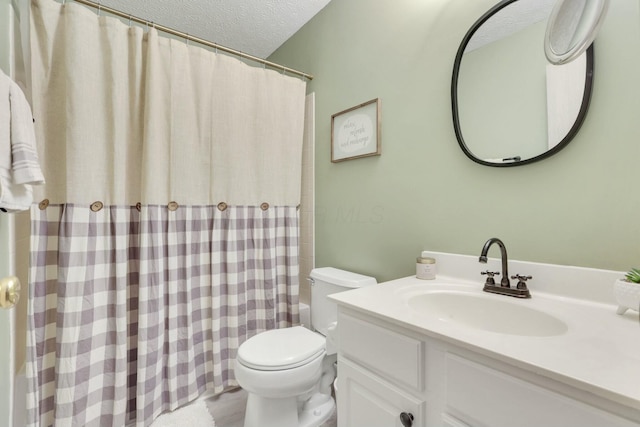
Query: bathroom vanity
443, 353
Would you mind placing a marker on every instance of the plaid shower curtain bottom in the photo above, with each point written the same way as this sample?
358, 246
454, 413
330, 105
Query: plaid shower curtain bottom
136, 312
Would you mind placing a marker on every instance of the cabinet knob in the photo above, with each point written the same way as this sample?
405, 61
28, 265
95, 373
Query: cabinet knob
406, 419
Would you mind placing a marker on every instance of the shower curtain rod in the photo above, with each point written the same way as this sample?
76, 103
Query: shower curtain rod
194, 39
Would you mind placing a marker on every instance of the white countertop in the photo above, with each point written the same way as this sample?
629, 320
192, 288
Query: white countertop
599, 353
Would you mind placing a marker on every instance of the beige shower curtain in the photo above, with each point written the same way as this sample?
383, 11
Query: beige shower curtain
167, 232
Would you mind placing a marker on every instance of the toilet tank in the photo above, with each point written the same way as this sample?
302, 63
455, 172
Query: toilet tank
326, 281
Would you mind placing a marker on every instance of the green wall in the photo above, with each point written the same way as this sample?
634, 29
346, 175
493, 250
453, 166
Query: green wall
5, 12
374, 215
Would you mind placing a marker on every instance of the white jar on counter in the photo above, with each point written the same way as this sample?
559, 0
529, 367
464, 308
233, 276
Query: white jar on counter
425, 268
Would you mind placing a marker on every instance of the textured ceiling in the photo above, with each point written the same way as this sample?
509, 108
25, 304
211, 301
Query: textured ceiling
509, 20
256, 27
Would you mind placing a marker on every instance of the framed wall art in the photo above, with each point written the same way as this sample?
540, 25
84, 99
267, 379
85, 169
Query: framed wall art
355, 132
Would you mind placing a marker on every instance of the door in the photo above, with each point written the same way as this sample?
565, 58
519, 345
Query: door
7, 324
13, 250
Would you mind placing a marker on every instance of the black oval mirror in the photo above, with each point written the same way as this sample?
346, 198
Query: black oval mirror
510, 106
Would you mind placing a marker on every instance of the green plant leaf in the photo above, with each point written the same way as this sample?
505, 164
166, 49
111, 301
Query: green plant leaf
633, 275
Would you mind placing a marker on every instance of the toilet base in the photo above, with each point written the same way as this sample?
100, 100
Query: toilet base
265, 412
316, 410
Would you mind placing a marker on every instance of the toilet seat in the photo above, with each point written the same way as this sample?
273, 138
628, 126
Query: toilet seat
281, 349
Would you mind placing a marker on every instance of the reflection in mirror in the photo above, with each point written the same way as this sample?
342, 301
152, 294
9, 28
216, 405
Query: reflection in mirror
572, 27
510, 106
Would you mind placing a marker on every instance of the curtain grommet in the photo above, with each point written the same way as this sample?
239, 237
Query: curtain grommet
138, 206
173, 206
222, 206
43, 204
264, 206
96, 206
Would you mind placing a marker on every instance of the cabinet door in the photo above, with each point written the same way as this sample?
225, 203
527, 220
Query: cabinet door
483, 396
365, 400
450, 421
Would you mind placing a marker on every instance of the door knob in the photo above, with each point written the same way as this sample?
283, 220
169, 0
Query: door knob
9, 292
406, 419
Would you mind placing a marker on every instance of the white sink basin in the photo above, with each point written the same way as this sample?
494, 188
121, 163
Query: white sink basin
494, 313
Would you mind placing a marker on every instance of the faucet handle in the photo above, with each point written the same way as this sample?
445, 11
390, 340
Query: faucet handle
490, 275
522, 281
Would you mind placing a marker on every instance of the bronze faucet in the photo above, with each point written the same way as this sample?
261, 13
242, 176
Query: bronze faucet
520, 291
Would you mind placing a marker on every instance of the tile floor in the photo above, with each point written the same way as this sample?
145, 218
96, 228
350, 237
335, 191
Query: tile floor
228, 409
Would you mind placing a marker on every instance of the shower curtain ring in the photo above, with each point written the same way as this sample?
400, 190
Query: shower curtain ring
99, 8
130, 19
188, 38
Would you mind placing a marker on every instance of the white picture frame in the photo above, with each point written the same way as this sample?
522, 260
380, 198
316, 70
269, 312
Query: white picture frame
355, 132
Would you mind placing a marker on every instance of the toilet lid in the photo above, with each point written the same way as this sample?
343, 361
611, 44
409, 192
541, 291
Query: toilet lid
280, 349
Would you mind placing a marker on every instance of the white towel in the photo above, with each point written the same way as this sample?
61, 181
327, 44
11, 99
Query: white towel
19, 166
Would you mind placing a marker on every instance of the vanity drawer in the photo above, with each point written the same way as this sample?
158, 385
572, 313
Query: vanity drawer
389, 354
481, 395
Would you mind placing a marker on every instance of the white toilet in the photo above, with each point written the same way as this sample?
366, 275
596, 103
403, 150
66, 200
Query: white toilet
288, 372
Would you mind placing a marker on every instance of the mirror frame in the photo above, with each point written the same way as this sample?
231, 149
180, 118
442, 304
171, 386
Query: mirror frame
584, 107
